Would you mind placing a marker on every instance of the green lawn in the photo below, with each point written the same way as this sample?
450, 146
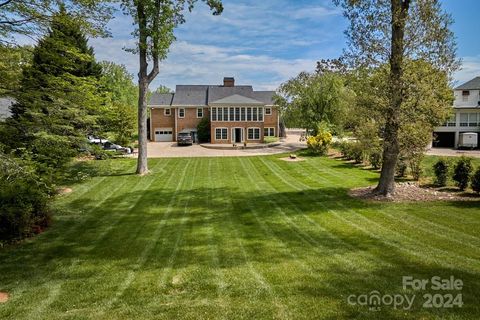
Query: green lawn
237, 238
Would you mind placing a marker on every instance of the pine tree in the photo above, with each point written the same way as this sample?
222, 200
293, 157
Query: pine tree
58, 100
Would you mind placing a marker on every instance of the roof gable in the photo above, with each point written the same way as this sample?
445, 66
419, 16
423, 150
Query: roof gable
236, 99
161, 99
473, 84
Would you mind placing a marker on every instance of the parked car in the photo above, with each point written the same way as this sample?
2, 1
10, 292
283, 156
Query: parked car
184, 139
96, 139
115, 147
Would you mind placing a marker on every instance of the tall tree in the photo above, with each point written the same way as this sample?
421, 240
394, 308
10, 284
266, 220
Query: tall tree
120, 118
58, 100
393, 32
312, 98
155, 21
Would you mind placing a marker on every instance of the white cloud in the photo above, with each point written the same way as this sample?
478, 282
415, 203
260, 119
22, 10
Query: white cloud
470, 69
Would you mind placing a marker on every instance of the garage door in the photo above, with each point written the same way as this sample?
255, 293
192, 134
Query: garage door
444, 139
163, 134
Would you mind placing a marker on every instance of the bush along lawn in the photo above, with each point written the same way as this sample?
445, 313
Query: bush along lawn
241, 238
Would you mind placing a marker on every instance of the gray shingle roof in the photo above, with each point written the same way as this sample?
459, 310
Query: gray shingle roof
219, 92
161, 99
190, 96
473, 84
236, 99
202, 95
264, 96
5, 104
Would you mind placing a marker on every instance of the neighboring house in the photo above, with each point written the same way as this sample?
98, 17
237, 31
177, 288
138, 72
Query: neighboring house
237, 114
5, 104
466, 117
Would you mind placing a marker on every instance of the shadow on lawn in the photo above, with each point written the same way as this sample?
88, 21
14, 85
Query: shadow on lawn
119, 230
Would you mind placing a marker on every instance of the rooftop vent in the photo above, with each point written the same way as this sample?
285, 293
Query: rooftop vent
228, 82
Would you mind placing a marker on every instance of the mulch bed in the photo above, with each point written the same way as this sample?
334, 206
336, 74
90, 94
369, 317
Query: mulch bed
292, 159
4, 297
64, 190
411, 191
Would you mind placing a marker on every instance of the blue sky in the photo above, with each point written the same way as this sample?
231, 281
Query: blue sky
264, 43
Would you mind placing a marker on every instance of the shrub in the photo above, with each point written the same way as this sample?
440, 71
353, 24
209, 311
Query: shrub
462, 172
24, 199
401, 167
375, 158
319, 144
476, 181
270, 140
415, 164
440, 169
99, 153
203, 130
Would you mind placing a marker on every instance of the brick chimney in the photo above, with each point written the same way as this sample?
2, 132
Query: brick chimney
229, 82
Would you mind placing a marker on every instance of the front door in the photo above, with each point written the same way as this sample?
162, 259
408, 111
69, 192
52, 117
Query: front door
238, 135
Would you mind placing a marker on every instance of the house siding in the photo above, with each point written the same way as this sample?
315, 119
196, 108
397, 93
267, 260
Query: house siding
159, 120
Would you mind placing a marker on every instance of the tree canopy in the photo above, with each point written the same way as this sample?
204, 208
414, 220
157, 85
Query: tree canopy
58, 101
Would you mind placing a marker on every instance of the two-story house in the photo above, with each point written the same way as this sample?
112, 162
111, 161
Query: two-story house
466, 117
237, 113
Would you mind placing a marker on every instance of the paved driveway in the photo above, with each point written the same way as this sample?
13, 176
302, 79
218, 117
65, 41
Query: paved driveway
171, 150
453, 152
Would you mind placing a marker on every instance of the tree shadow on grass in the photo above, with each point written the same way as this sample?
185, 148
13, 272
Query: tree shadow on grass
119, 230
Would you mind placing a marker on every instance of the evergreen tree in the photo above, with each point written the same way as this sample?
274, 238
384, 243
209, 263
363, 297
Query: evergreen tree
58, 100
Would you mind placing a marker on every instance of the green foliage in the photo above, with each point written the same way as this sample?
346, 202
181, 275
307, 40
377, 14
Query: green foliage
203, 130
31, 17
440, 169
351, 150
319, 144
375, 158
99, 153
312, 99
268, 140
58, 100
12, 60
401, 167
461, 172
476, 181
24, 198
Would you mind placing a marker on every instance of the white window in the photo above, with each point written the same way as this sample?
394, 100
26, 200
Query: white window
463, 119
253, 133
269, 132
243, 117
260, 114
221, 133
232, 114
199, 112
465, 95
472, 119
225, 114
181, 113
268, 111
214, 114
237, 114
167, 111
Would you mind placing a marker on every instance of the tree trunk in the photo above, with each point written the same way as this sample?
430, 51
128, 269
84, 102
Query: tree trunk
391, 150
142, 164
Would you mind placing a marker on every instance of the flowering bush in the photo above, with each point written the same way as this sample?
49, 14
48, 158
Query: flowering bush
319, 144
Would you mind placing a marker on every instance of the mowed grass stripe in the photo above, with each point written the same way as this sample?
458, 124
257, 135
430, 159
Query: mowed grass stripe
465, 239
56, 288
148, 247
374, 232
319, 238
